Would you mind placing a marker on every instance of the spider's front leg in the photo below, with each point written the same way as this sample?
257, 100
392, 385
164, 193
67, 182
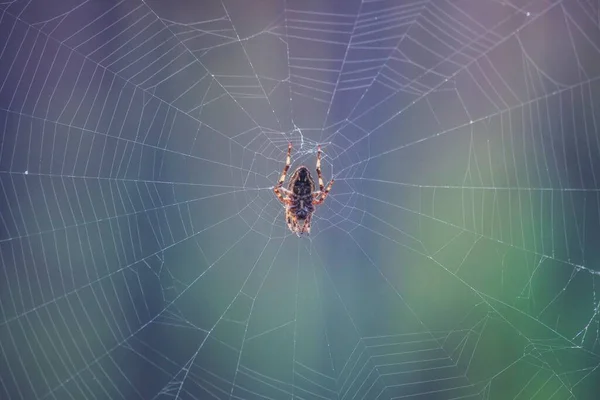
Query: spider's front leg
321, 195
319, 168
278, 188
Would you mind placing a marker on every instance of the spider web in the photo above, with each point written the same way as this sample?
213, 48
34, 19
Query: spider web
144, 254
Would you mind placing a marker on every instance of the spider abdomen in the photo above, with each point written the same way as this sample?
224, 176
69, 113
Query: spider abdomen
301, 206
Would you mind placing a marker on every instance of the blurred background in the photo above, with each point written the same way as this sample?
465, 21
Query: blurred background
144, 255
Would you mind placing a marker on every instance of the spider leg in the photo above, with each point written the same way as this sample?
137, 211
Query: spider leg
279, 195
306, 227
278, 188
319, 169
321, 196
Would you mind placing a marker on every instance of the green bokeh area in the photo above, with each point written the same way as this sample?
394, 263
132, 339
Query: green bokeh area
144, 254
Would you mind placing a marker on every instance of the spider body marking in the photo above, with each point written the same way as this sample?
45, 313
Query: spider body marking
300, 198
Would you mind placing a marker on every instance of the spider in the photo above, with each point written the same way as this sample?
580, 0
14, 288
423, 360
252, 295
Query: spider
300, 198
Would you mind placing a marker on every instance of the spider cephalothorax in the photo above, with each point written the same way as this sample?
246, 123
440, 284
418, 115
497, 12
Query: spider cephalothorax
300, 198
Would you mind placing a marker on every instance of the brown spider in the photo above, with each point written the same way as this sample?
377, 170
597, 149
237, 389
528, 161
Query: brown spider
300, 198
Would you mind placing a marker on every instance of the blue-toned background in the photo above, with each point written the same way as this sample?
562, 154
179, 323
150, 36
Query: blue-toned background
143, 254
